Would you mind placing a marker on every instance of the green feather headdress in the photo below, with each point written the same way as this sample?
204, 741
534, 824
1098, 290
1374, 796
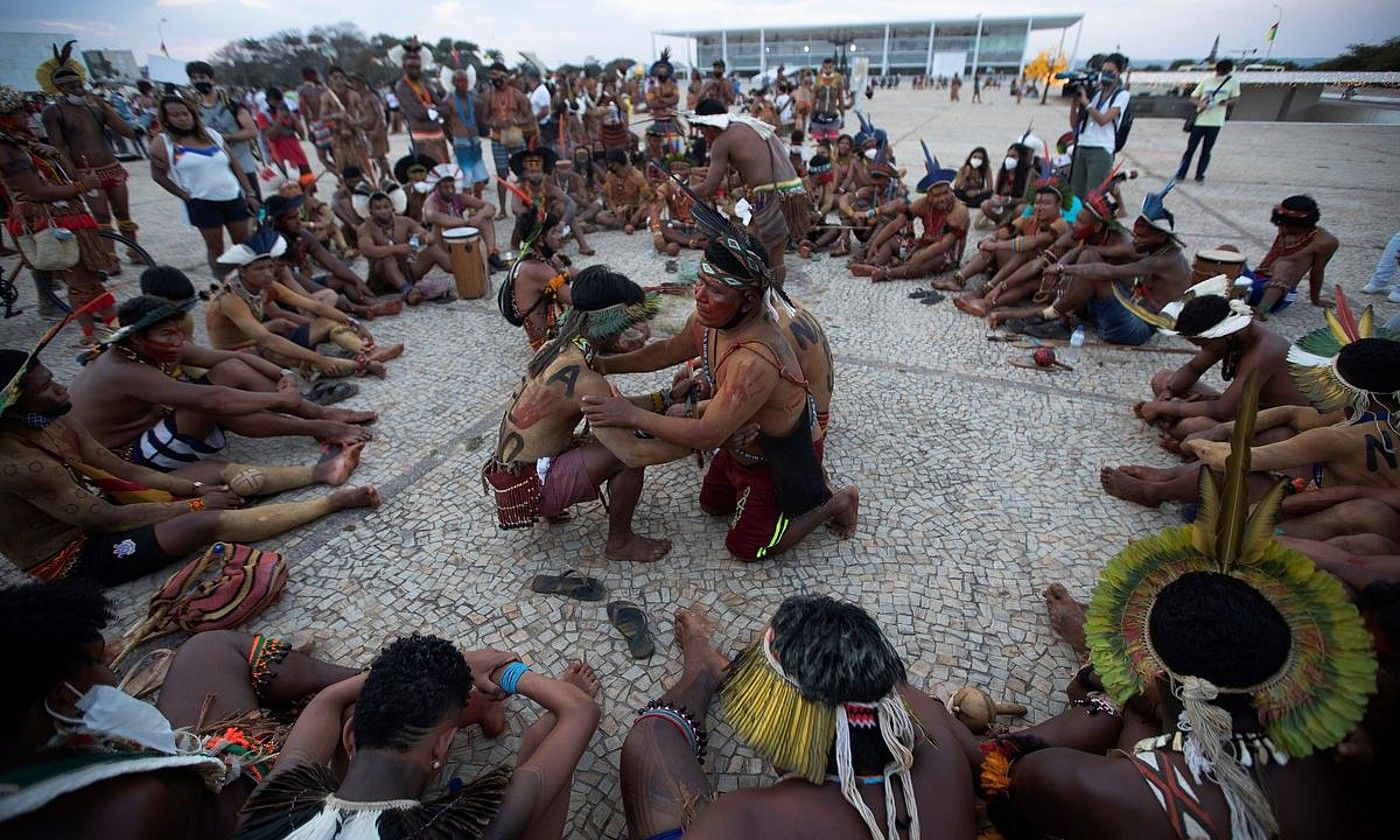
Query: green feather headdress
1312, 362
602, 324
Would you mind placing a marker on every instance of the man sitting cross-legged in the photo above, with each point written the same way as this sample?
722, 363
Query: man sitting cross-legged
447, 207
399, 250
58, 526
771, 481
132, 399
397, 724
1018, 243
936, 249
249, 313
821, 695
305, 251
538, 468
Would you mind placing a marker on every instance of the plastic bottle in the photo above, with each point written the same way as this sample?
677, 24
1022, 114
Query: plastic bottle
1076, 342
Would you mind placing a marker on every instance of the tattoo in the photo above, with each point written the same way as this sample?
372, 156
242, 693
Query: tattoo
805, 330
1383, 445
569, 376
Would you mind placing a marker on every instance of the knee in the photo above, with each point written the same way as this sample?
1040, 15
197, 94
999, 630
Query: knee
213, 646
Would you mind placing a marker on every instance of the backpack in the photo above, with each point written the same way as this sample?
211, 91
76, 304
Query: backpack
1123, 126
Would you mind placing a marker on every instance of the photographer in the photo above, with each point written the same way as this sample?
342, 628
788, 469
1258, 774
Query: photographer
1094, 116
1212, 96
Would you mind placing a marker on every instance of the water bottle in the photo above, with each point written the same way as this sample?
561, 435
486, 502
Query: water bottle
1076, 341
413, 242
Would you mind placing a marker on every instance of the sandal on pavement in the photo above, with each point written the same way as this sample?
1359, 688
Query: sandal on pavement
632, 622
571, 584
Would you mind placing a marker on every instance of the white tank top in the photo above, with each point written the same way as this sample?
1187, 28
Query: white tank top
203, 173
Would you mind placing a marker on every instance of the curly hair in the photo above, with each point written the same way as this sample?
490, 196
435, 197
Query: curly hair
44, 626
1201, 313
1218, 628
416, 683
1371, 364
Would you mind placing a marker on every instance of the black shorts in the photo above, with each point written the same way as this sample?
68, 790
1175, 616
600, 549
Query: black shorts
301, 336
208, 214
116, 558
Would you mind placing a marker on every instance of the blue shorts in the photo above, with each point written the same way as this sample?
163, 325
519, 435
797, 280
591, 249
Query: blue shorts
1256, 292
501, 153
207, 214
301, 336
1115, 324
472, 163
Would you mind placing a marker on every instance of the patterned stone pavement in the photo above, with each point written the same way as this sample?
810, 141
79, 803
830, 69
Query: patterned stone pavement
979, 481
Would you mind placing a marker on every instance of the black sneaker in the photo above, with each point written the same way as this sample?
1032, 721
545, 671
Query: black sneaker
1200, 179
496, 263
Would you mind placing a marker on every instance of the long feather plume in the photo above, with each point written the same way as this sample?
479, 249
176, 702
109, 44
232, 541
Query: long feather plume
1234, 501
712, 222
929, 162
1152, 206
1156, 319
1207, 514
1345, 319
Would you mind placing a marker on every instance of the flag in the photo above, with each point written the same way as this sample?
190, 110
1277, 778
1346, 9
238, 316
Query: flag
163, 50
1273, 30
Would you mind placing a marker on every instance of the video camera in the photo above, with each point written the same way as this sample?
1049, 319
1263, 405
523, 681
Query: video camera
1086, 78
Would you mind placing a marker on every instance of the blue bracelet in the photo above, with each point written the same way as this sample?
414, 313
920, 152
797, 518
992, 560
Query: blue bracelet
510, 677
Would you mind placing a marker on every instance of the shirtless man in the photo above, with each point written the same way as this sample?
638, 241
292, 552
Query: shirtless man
663, 95
132, 400
344, 112
753, 150
1300, 249
375, 125
717, 86
536, 289
937, 248
758, 383
664, 787
421, 107
448, 208
579, 205
250, 313
1159, 273
672, 226
352, 183
68, 529
304, 251
400, 252
309, 95
77, 124
532, 168
1012, 246
869, 209
537, 431
626, 194
829, 103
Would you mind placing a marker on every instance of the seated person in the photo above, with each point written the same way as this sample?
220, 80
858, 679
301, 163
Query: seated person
973, 184
1008, 195
397, 724
823, 697
1359, 521
896, 254
1345, 438
1225, 667
399, 251
132, 400
1018, 243
89, 513
84, 759
1158, 272
626, 195
771, 482
672, 227
247, 371
821, 190
538, 468
1300, 249
317, 216
304, 252
352, 182
869, 209
536, 288
447, 208
1225, 333
537, 192
247, 313
576, 199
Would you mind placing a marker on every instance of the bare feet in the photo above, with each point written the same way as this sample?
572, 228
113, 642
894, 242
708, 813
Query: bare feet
485, 712
384, 354
862, 270
581, 675
692, 633
354, 498
1121, 485
636, 548
1148, 473
336, 432
1066, 617
971, 305
388, 307
374, 368
846, 504
336, 471
345, 415
585, 252
413, 297
672, 249
954, 283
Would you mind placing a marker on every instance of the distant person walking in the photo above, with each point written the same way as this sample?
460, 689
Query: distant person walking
1212, 97
953, 88
976, 87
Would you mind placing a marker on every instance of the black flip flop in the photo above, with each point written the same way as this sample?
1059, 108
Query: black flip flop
571, 584
933, 296
326, 393
629, 619
918, 293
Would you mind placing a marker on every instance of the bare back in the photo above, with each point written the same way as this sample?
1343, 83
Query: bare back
545, 409
106, 399
757, 161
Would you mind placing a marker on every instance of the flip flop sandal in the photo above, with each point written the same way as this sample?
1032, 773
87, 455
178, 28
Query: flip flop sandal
933, 297
326, 393
628, 618
571, 584
918, 293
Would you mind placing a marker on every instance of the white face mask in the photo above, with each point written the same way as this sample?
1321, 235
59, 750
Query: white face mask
1010, 163
107, 710
976, 163
76, 98
872, 153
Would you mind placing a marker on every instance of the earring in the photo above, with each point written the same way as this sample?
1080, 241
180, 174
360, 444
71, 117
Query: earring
437, 765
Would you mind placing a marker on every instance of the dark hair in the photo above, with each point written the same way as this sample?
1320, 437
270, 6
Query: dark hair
718, 255
797, 136
1305, 208
1025, 160
1379, 602
308, 73
144, 86
11, 363
333, 70
985, 168
1371, 364
526, 225
1224, 65
834, 650
172, 99
417, 683
598, 287
1201, 313
201, 67
1119, 60
717, 63
348, 172
1047, 189
131, 311
496, 65
1218, 628
617, 156
44, 626
166, 281
709, 107
273, 93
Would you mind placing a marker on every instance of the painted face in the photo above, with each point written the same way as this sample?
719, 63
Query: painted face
162, 342
718, 304
1086, 225
382, 210
1047, 206
258, 275
534, 169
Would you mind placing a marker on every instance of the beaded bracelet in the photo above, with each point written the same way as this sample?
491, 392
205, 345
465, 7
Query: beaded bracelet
510, 677
196, 504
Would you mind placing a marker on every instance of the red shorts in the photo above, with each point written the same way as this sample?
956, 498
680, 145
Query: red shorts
747, 492
109, 177
566, 484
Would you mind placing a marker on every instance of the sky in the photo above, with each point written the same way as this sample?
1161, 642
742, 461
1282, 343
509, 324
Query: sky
568, 32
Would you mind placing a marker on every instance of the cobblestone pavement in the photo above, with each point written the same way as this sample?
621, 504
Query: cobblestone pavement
979, 481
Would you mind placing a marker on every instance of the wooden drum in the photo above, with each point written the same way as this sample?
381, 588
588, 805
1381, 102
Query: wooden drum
1213, 261
468, 261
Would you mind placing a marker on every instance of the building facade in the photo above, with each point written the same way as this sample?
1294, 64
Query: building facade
934, 47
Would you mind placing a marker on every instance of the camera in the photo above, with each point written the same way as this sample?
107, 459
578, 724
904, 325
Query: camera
1086, 79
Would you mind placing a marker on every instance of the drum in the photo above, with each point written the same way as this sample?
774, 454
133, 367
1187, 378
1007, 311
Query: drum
1213, 261
468, 261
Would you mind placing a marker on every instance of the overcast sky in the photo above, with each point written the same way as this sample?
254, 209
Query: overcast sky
568, 31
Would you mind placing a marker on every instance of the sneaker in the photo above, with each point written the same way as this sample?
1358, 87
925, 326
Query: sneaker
496, 263
1368, 289
1394, 296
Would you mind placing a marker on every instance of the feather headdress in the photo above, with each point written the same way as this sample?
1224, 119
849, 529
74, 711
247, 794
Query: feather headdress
1156, 212
1101, 201
1314, 360
664, 60
934, 174
1317, 695
155, 316
61, 68
265, 243
1237, 316
10, 393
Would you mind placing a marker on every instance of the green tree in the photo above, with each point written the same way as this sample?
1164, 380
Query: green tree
1382, 57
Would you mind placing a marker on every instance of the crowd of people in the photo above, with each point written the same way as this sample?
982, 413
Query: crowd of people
1240, 675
